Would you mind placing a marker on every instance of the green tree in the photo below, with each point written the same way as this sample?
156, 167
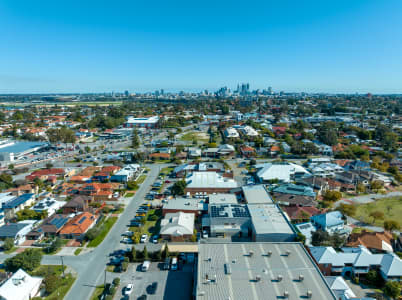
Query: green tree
332, 196
347, 209
135, 141
392, 289
27, 260
179, 187
51, 283
391, 225
328, 134
376, 215
8, 244
165, 253
145, 254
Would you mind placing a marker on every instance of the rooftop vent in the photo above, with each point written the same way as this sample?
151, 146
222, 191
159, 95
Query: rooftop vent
285, 294
257, 278
280, 277
228, 269
309, 294
301, 277
269, 253
251, 253
288, 252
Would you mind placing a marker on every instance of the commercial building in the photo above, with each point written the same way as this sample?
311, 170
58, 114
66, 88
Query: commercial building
222, 199
177, 226
256, 194
239, 271
12, 150
283, 172
268, 224
209, 182
186, 205
146, 122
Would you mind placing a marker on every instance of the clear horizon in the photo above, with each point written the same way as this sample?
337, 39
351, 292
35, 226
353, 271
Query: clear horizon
97, 46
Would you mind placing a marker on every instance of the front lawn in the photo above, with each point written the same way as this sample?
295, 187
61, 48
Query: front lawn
128, 195
104, 228
63, 284
141, 179
390, 207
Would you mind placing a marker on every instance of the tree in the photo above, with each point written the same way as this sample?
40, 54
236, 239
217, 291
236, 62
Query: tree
179, 187
332, 196
135, 141
328, 134
49, 165
361, 188
165, 253
376, 185
337, 240
391, 225
392, 289
27, 260
347, 209
376, 215
145, 254
319, 237
8, 244
300, 238
133, 253
116, 281
51, 282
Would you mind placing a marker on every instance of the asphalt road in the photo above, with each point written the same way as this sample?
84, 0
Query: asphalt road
90, 267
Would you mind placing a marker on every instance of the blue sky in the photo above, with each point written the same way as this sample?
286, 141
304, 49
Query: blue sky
97, 46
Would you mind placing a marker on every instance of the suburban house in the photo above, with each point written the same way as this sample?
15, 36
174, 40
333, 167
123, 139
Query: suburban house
48, 205
126, 174
356, 261
177, 226
20, 286
17, 204
45, 173
376, 242
300, 213
340, 288
292, 194
78, 226
16, 231
330, 222
49, 228
247, 151
79, 203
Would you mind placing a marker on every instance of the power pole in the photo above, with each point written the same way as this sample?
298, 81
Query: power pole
62, 264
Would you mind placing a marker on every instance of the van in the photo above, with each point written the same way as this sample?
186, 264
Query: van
173, 266
145, 266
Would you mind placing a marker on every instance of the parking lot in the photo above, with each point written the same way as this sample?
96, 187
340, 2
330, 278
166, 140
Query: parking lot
171, 285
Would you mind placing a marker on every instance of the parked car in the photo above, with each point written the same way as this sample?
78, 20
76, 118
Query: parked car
204, 234
128, 289
166, 265
173, 265
152, 288
128, 233
145, 266
144, 238
127, 241
155, 239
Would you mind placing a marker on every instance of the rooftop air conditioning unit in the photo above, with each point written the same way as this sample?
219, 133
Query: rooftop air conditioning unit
288, 253
257, 278
250, 253
269, 253
301, 277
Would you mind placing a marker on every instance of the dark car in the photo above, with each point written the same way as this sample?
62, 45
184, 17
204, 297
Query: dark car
142, 297
152, 288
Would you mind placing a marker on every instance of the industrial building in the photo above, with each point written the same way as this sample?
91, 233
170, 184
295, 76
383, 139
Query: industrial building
242, 271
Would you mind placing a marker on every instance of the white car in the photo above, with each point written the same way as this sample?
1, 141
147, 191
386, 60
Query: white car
144, 238
128, 289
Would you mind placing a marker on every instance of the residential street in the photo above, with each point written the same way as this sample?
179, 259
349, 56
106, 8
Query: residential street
90, 266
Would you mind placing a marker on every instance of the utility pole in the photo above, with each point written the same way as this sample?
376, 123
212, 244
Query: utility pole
104, 283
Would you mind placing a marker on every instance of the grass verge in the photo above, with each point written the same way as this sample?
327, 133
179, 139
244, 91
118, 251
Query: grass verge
105, 228
77, 251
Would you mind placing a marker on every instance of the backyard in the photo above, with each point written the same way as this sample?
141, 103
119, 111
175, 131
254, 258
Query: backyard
198, 136
389, 208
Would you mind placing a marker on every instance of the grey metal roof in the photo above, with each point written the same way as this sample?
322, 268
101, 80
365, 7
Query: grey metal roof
11, 230
256, 194
267, 218
229, 271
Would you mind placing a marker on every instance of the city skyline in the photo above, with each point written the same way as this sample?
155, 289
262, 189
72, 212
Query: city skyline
74, 47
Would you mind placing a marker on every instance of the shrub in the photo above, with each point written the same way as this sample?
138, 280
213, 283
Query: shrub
116, 281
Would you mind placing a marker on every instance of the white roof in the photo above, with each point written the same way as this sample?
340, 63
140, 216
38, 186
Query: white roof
222, 199
209, 180
256, 194
149, 120
390, 264
20, 286
250, 131
281, 171
231, 132
267, 218
340, 287
177, 224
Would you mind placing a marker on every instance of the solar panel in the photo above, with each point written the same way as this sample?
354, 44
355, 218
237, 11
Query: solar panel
82, 220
